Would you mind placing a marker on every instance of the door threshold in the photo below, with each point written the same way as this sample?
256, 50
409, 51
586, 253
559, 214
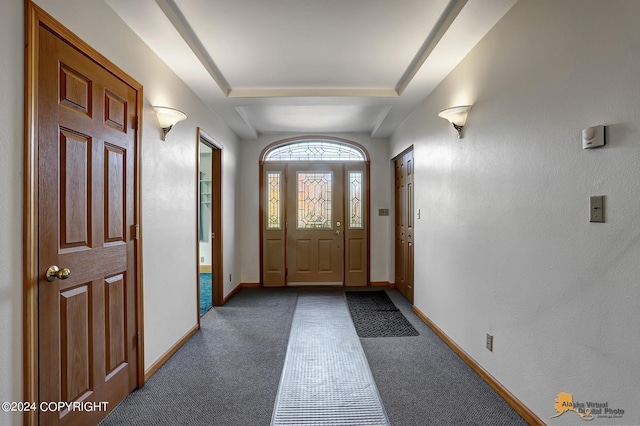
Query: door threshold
315, 283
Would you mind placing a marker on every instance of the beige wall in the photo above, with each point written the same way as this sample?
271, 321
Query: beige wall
11, 184
504, 244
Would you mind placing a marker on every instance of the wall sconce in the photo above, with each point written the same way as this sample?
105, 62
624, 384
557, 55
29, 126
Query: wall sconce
457, 116
168, 117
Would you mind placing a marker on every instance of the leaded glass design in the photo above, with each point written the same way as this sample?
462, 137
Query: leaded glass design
314, 200
355, 199
315, 150
273, 200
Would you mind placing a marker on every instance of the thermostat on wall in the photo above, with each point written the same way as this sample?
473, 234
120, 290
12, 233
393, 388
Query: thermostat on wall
593, 137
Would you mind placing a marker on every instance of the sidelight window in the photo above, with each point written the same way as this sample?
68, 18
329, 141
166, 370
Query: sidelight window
355, 200
274, 200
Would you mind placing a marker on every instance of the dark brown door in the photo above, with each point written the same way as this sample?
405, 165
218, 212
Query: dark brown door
86, 178
216, 228
315, 225
400, 233
404, 223
409, 218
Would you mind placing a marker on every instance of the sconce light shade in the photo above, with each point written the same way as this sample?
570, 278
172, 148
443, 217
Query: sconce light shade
167, 118
457, 116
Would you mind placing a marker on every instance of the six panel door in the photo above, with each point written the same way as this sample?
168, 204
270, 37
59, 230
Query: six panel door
404, 223
86, 160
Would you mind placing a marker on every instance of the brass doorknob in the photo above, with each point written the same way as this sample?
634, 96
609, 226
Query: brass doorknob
54, 272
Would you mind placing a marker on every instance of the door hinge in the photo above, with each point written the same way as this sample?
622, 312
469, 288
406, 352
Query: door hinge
136, 231
138, 339
135, 123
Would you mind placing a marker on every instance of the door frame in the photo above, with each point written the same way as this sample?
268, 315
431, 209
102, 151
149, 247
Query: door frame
35, 17
216, 217
279, 165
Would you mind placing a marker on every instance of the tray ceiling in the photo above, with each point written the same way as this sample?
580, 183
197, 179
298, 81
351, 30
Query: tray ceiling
311, 66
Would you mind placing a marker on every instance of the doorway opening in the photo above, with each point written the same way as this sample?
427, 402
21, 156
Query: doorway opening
314, 213
209, 224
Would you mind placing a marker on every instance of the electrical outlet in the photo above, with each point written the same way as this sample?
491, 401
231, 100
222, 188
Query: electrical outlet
490, 342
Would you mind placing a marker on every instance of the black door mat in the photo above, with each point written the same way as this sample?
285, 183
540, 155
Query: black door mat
374, 315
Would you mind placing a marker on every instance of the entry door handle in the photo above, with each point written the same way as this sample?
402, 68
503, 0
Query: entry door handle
54, 272
337, 232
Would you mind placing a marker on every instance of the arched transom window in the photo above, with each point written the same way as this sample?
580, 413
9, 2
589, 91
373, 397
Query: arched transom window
315, 150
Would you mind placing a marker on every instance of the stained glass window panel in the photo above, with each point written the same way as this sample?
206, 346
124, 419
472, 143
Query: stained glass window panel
355, 199
315, 150
314, 200
273, 200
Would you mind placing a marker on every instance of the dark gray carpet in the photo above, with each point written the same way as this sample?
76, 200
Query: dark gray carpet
228, 373
423, 382
375, 315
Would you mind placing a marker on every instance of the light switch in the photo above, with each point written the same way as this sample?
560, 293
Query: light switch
596, 208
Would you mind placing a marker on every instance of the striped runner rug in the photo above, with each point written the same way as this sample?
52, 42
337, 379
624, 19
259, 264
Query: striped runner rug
326, 379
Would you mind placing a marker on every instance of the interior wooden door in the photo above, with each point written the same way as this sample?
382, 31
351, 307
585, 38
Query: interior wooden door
404, 224
315, 225
409, 220
216, 228
400, 216
86, 183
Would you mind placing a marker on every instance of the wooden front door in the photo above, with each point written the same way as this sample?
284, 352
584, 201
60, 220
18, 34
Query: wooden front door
87, 332
315, 224
314, 216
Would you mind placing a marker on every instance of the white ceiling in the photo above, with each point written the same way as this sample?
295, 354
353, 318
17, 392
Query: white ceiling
311, 66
